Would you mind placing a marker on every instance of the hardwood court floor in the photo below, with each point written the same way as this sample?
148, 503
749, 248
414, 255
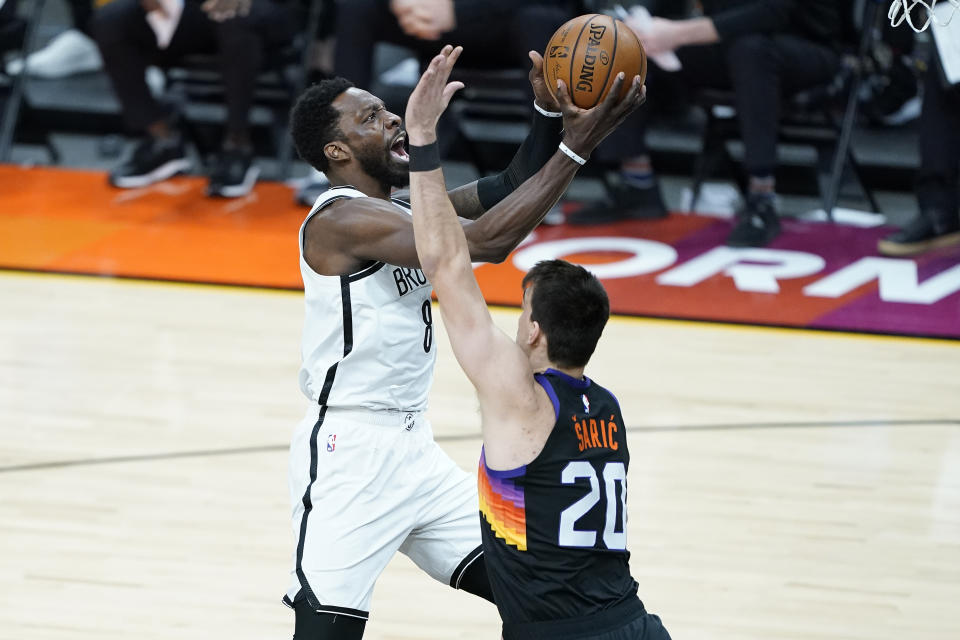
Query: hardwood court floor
783, 485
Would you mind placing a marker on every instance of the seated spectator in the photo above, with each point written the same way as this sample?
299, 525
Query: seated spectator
70, 52
762, 50
937, 224
493, 33
129, 45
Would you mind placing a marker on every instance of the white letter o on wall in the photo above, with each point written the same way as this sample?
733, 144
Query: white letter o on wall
648, 255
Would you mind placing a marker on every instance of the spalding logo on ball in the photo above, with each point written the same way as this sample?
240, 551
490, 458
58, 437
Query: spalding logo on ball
588, 52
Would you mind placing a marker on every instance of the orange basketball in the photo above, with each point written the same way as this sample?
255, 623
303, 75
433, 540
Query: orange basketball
588, 52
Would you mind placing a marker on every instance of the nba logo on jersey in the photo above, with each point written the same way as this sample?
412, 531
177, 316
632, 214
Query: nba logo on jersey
586, 403
331, 442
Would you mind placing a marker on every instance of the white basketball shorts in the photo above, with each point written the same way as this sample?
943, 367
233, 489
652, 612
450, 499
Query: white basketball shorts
363, 485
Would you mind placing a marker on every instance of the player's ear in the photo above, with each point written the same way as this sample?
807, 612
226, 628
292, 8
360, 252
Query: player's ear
535, 333
336, 151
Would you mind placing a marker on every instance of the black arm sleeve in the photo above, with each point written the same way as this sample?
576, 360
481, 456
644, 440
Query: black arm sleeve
538, 147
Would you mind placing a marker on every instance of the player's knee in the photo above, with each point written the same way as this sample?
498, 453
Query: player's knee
311, 625
474, 580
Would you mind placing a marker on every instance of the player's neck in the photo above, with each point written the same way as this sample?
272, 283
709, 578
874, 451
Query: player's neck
542, 364
361, 182
576, 373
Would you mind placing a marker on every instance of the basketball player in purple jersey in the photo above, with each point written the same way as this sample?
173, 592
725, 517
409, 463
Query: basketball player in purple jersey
366, 478
553, 469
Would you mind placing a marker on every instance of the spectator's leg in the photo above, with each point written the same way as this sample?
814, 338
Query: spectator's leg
241, 43
938, 222
637, 193
762, 70
939, 145
361, 24
240, 53
128, 46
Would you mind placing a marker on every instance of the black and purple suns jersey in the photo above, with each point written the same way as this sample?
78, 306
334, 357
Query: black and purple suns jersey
554, 531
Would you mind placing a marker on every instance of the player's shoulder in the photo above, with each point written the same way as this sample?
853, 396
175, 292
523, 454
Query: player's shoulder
605, 395
344, 212
337, 201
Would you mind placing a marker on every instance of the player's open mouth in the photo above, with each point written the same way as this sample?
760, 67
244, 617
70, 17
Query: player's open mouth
399, 148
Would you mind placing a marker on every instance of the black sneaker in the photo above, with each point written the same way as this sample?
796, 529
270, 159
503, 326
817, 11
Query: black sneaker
232, 175
153, 160
757, 224
930, 229
626, 203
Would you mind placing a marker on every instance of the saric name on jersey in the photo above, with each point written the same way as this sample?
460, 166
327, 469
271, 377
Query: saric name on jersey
594, 434
408, 280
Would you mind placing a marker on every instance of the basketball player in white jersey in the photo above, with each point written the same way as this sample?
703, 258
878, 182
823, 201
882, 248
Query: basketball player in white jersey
366, 478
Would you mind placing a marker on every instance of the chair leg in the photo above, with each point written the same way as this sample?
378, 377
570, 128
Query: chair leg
713, 145
11, 111
51, 150
858, 173
193, 135
828, 177
284, 144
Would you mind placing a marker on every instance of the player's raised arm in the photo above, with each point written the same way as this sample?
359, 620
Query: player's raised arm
439, 236
508, 222
475, 198
479, 346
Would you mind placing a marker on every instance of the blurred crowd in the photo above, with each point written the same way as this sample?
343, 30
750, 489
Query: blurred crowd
762, 52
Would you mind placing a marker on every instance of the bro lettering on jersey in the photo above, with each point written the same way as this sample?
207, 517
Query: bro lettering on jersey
595, 434
408, 280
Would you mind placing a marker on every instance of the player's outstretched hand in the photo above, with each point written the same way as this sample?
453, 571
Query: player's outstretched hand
431, 96
543, 96
584, 129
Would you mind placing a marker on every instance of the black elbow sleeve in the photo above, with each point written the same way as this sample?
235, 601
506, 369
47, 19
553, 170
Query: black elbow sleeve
537, 148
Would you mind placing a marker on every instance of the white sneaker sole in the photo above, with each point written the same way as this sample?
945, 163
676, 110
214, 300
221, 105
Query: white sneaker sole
238, 190
163, 172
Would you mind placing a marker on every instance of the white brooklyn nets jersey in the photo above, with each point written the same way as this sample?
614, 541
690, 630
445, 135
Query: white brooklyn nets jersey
367, 337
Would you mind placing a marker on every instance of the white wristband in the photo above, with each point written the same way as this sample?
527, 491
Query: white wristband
544, 112
572, 154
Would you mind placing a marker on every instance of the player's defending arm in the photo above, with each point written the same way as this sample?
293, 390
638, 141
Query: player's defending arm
495, 364
475, 198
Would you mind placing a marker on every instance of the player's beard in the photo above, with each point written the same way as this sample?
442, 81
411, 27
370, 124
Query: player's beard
383, 168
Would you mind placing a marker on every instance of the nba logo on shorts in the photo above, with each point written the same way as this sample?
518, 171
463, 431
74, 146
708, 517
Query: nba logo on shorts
586, 403
331, 442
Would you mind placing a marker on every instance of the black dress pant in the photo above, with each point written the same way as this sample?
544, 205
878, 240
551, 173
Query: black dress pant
128, 45
499, 41
761, 69
938, 179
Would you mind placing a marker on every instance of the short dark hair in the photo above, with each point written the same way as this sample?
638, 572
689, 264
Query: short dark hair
571, 307
315, 122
